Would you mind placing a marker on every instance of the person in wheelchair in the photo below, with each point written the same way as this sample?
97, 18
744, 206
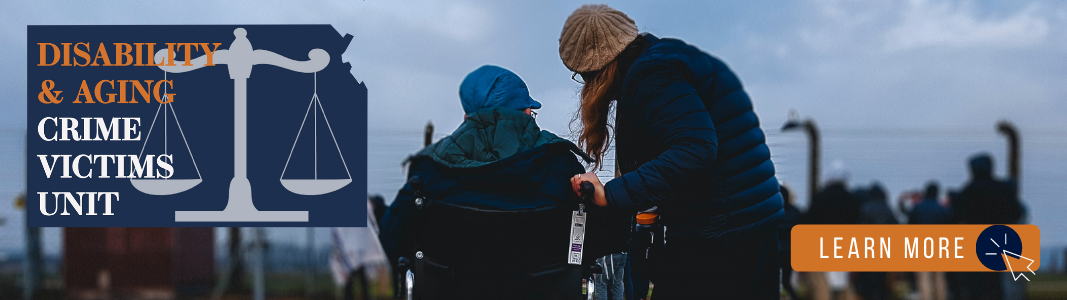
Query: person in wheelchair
487, 210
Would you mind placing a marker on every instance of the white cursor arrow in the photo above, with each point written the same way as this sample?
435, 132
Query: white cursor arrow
1006, 252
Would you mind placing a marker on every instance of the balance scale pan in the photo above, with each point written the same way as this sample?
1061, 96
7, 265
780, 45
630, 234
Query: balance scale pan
162, 187
312, 187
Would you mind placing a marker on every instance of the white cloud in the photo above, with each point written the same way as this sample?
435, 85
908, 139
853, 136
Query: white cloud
933, 24
843, 27
458, 21
903, 64
465, 22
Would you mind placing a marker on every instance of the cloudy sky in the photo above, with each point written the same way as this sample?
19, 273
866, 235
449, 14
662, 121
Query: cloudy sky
847, 63
857, 67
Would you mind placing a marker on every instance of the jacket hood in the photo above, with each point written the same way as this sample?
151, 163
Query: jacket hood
492, 86
490, 135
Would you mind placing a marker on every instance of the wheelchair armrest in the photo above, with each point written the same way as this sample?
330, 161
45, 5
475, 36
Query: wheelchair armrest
589, 270
595, 269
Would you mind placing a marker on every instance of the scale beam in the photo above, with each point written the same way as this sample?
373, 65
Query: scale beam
317, 60
239, 59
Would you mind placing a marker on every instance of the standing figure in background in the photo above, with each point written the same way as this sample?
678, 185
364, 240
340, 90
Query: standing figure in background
875, 207
835, 204
875, 211
378, 203
984, 200
929, 211
931, 285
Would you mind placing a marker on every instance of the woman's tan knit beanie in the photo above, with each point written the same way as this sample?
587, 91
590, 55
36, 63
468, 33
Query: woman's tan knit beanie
593, 35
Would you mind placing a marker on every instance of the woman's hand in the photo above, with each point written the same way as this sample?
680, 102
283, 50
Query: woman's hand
598, 198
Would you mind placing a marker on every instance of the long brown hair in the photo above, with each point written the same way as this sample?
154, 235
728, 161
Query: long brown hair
601, 87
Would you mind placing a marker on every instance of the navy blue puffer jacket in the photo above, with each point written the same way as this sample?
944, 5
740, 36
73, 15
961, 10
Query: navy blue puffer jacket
688, 141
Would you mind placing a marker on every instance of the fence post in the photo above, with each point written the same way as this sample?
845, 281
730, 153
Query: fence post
429, 134
309, 277
1009, 131
813, 150
235, 281
34, 265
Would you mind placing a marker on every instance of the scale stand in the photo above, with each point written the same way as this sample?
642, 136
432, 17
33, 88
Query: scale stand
240, 58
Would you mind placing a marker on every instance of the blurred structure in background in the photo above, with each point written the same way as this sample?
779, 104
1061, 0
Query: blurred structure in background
357, 257
33, 266
812, 132
138, 263
1006, 128
236, 270
162, 263
428, 137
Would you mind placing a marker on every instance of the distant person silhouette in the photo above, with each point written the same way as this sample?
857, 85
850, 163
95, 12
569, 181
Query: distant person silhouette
378, 204
984, 200
874, 210
834, 204
929, 211
931, 285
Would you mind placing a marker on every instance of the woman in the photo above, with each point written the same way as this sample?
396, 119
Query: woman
688, 142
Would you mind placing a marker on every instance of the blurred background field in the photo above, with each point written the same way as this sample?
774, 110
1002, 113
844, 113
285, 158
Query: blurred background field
905, 92
294, 253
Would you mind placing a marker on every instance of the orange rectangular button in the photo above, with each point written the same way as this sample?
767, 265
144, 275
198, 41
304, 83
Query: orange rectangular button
911, 248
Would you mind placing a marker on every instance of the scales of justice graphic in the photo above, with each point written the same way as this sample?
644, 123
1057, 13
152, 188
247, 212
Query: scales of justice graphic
239, 59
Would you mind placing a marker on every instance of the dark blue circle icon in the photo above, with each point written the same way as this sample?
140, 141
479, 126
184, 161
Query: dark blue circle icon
996, 241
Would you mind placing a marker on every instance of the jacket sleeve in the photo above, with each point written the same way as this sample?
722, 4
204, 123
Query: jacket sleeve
670, 108
396, 232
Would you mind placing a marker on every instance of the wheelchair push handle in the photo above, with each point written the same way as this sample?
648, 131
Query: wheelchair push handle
587, 190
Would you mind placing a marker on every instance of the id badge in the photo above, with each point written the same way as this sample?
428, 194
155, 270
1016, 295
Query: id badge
577, 238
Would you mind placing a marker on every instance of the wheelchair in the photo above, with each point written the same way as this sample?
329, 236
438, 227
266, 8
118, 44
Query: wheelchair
465, 252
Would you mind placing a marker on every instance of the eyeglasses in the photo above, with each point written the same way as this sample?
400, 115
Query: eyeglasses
533, 113
584, 76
